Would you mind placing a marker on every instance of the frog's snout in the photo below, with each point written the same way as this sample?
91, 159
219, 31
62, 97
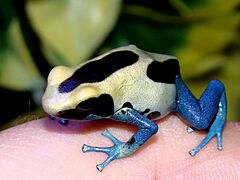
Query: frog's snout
59, 74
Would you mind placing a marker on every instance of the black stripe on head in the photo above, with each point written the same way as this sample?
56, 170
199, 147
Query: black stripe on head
98, 70
164, 72
102, 106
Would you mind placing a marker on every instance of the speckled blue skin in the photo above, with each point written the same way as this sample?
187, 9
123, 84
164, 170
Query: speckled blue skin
209, 112
122, 149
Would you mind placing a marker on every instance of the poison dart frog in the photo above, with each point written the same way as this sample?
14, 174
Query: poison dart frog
130, 85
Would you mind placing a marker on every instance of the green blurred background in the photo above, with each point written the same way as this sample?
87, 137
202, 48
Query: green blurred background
36, 35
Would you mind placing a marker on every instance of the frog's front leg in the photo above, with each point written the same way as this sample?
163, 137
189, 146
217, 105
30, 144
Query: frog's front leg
122, 149
207, 112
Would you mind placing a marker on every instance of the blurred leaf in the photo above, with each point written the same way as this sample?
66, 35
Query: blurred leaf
229, 75
202, 50
204, 8
71, 30
17, 69
6, 15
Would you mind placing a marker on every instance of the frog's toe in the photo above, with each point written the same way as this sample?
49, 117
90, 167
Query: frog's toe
107, 134
87, 148
63, 121
208, 137
192, 152
190, 129
113, 153
219, 141
101, 166
51, 117
116, 151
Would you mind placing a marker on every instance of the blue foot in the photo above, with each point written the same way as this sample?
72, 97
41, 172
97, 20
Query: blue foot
63, 121
123, 149
207, 112
118, 150
209, 136
216, 128
60, 121
51, 117
190, 129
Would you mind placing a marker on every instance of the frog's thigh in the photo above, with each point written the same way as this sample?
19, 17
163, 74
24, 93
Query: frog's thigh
199, 113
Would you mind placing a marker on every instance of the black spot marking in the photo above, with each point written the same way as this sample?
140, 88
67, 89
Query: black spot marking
164, 72
98, 70
102, 106
127, 104
145, 111
132, 140
154, 115
123, 112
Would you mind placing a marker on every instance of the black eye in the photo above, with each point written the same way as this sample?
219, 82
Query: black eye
101, 106
87, 104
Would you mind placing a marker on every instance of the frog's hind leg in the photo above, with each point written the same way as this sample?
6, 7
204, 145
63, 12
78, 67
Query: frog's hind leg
216, 127
123, 149
209, 112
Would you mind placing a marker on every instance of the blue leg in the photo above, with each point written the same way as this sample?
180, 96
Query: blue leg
122, 149
209, 112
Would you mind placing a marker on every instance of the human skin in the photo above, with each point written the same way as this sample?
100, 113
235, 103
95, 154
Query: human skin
44, 149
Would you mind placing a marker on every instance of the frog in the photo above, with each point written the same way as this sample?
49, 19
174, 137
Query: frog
130, 85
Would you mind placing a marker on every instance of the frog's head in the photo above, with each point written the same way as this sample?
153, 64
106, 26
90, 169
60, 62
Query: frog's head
76, 92
64, 99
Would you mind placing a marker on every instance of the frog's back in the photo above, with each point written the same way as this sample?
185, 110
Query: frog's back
147, 85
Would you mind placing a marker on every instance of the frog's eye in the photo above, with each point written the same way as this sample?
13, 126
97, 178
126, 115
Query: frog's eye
101, 106
87, 105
